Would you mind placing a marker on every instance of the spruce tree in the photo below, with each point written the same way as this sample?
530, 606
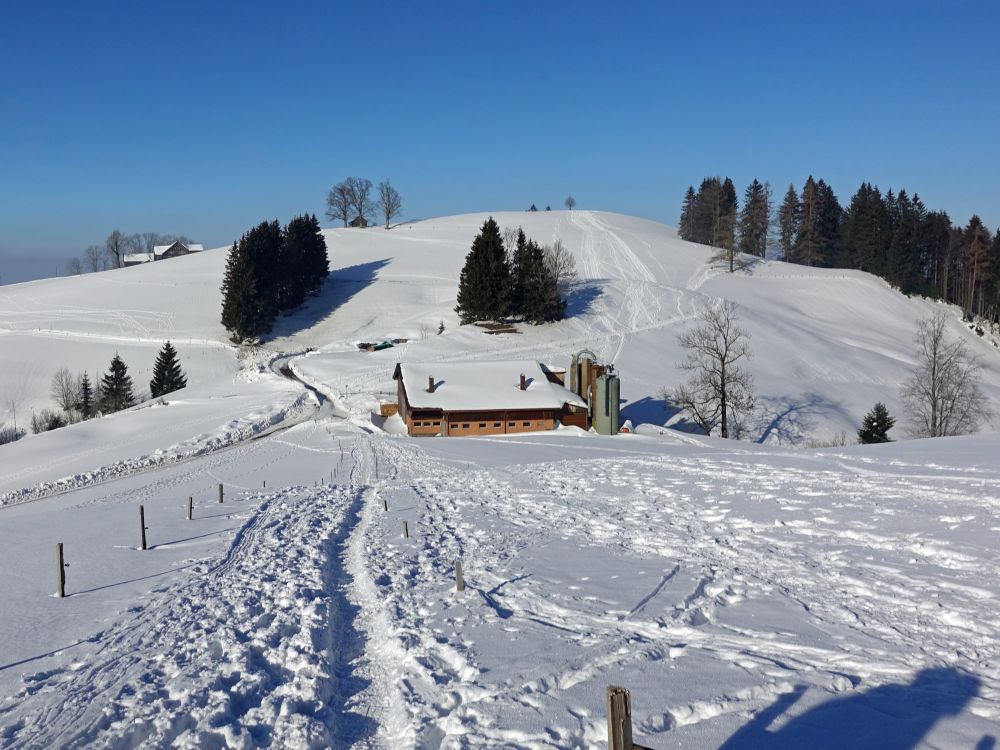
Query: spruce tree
484, 284
725, 232
876, 425
520, 271
86, 405
240, 310
317, 260
116, 387
167, 374
755, 218
685, 228
541, 302
788, 224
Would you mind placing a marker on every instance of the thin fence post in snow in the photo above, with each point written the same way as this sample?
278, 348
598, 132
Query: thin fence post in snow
459, 578
406, 530
60, 572
265, 484
190, 506
220, 492
142, 527
385, 504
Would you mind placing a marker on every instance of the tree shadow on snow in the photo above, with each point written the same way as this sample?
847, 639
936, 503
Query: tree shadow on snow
888, 717
657, 411
339, 288
580, 297
787, 420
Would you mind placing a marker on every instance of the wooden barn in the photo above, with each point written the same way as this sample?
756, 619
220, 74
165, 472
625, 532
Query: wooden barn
161, 252
485, 398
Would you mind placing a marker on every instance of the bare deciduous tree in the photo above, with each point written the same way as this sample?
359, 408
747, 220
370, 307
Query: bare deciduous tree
509, 235
390, 203
570, 202
74, 267
116, 246
719, 393
65, 389
943, 396
561, 263
338, 203
95, 258
360, 190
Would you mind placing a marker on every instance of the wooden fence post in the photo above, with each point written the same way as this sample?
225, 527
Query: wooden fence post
190, 506
406, 531
385, 504
142, 527
619, 718
60, 572
220, 492
459, 579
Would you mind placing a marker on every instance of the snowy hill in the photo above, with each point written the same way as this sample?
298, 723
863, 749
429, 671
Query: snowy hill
828, 343
750, 595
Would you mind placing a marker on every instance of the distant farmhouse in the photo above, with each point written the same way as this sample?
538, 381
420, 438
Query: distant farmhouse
485, 398
359, 222
161, 252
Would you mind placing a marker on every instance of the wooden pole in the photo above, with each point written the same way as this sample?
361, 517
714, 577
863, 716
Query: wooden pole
459, 578
406, 531
385, 504
190, 506
60, 572
620, 720
220, 492
265, 484
142, 527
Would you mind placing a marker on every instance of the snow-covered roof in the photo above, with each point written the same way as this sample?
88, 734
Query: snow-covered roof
192, 248
137, 257
475, 386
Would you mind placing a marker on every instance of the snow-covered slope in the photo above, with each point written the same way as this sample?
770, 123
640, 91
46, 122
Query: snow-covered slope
828, 343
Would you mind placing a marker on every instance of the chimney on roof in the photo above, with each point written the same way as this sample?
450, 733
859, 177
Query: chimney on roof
430, 384
524, 384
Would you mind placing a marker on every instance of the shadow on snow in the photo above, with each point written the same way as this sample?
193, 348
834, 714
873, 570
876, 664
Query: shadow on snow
338, 289
888, 717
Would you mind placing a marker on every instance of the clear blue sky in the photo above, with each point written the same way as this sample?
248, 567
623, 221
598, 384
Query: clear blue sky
204, 118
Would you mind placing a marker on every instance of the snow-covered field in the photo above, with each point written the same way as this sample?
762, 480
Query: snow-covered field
750, 595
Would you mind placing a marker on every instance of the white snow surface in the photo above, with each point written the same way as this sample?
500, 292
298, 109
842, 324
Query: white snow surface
749, 594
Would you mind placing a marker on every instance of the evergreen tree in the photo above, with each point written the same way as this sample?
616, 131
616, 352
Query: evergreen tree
520, 272
540, 301
818, 229
86, 405
788, 224
484, 284
866, 231
685, 227
265, 247
167, 374
240, 307
116, 387
725, 229
755, 218
876, 425
317, 258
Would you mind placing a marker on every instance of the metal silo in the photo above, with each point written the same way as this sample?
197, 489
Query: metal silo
607, 401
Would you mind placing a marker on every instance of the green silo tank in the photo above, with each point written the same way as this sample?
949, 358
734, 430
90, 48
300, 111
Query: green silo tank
607, 400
